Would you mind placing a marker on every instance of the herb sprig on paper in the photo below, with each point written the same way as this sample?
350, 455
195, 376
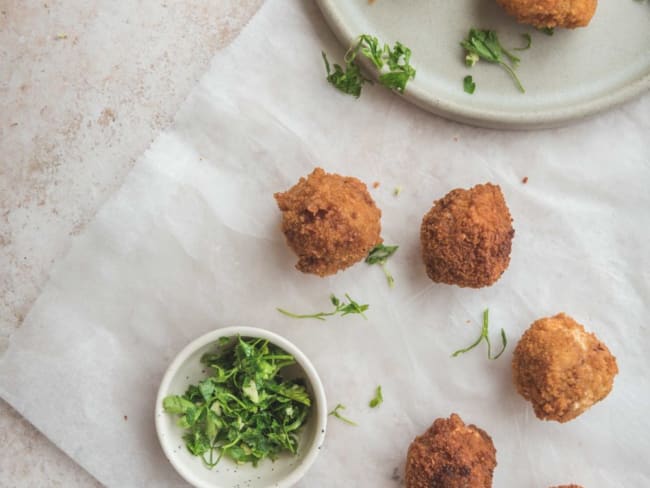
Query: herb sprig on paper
378, 399
340, 307
245, 410
485, 45
336, 413
391, 64
485, 337
379, 255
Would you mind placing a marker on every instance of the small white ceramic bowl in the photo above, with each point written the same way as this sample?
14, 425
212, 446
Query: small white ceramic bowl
186, 369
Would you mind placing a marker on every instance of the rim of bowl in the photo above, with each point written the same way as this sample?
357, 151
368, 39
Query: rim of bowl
311, 375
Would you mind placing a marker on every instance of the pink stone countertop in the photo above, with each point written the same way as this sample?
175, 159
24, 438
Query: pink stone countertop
85, 86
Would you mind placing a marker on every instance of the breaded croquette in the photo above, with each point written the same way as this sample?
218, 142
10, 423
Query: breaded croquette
466, 237
551, 13
451, 454
562, 369
330, 221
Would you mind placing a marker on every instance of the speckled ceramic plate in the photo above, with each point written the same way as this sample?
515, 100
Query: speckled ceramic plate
568, 76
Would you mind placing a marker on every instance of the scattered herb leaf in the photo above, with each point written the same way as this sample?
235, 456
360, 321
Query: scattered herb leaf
392, 65
348, 80
245, 410
549, 31
397, 191
485, 45
341, 307
485, 336
379, 255
336, 414
378, 398
468, 84
471, 59
529, 42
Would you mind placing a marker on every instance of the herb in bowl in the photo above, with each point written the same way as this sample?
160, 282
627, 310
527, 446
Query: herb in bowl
245, 410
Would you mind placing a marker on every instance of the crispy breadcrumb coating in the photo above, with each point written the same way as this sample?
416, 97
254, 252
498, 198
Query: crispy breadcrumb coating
551, 13
330, 221
451, 454
562, 369
466, 237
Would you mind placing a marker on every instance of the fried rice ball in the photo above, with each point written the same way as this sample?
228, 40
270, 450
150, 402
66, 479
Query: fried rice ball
466, 237
562, 369
330, 221
551, 13
451, 454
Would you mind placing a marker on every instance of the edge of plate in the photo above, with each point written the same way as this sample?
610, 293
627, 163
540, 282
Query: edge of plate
540, 119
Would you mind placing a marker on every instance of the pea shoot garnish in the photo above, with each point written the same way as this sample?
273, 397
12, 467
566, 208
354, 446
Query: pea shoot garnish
379, 255
340, 307
392, 65
338, 415
245, 409
378, 399
485, 336
484, 44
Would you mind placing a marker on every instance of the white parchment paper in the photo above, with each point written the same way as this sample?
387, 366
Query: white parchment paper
192, 242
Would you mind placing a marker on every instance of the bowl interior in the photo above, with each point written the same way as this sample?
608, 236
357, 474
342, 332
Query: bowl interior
282, 472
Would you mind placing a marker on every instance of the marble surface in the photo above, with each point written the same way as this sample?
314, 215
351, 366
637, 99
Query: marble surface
85, 86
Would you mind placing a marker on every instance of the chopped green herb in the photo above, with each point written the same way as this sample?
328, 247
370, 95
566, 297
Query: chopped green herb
485, 44
468, 84
245, 409
549, 31
529, 42
379, 255
392, 65
341, 307
336, 414
378, 399
349, 80
397, 191
471, 59
485, 336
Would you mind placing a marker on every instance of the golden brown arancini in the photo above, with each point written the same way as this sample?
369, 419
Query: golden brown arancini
466, 237
330, 221
451, 454
551, 13
562, 369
